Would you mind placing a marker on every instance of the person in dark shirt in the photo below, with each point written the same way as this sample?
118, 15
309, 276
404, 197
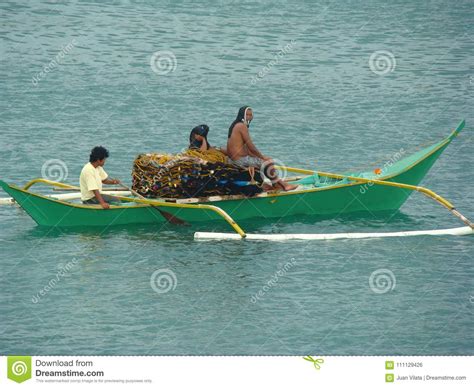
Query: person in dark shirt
198, 138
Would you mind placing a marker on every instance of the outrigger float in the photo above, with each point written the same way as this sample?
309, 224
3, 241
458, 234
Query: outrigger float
319, 193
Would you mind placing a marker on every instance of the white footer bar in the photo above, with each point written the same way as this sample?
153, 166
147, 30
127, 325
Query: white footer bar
231, 371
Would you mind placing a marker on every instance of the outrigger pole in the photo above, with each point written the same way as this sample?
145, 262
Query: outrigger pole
429, 193
212, 208
152, 203
240, 234
60, 186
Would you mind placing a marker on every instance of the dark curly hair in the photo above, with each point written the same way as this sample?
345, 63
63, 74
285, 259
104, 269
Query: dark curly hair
201, 130
98, 153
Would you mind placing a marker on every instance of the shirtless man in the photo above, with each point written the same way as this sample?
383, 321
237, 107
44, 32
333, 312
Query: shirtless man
244, 153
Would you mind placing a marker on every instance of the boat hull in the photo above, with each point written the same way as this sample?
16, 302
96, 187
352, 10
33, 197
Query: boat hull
350, 198
333, 200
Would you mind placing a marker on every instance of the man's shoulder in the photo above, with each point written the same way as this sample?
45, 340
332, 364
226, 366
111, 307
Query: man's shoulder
88, 168
101, 170
240, 127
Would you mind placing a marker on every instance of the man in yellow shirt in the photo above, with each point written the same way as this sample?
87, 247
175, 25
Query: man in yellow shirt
93, 176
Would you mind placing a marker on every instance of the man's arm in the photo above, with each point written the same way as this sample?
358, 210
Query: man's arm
104, 204
90, 184
203, 145
253, 150
108, 181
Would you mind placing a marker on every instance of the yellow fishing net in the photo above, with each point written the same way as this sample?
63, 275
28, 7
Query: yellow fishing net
192, 173
212, 155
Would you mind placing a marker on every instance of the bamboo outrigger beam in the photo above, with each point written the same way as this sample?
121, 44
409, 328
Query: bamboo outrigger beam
429, 193
154, 203
58, 186
240, 231
50, 183
215, 209
462, 231
212, 208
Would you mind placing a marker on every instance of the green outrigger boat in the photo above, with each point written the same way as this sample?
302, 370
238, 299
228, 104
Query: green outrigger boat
319, 193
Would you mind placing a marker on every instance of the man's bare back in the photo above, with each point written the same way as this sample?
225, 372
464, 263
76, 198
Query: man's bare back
240, 144
244, 153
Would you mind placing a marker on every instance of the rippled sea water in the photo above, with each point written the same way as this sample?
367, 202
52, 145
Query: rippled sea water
319, 102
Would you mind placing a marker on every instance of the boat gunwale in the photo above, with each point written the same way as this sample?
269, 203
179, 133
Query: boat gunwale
441, 144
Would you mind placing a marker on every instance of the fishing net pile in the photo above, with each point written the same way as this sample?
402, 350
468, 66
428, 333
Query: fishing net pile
193, 173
